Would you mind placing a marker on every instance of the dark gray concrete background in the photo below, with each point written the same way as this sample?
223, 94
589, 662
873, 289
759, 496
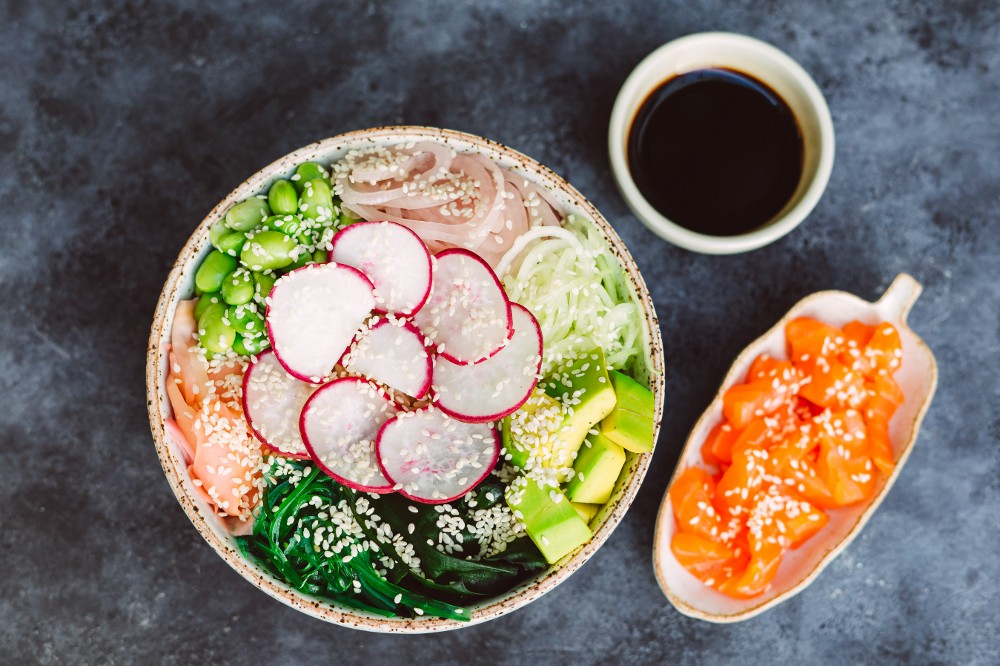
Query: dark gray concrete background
122, 124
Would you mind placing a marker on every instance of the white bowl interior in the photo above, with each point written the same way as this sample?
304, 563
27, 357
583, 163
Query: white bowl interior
181, 285
917, 378
765, 63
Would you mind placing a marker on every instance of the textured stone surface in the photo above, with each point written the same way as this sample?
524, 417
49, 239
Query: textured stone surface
122, 124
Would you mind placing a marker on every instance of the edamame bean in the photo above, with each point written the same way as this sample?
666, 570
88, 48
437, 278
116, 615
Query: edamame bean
300, 261
216, 330
307, 236
250, 346
213, 270
267, 250
238, 287
321, 256
226, 240
346, 218
286, 224
203, 302
317, 200
246, 215
246, 320
309, 171
265, 282
282, 198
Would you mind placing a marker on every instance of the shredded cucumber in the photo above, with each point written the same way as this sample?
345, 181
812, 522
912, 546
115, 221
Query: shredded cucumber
581, 295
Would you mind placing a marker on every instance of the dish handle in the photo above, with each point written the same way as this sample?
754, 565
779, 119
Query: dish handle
899, 298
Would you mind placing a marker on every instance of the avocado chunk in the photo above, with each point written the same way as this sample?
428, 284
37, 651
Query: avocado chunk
586, 511
550, 520
586, 392
531, 436
597, 467
630, 424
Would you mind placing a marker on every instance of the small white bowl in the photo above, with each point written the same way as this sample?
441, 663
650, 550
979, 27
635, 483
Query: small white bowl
764, 63
917, 377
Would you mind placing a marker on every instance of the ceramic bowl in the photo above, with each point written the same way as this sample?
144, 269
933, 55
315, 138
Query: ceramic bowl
180, 285
764, 63
917, 376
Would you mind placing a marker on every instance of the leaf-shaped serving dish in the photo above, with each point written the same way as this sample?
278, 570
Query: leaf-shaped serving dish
917, 376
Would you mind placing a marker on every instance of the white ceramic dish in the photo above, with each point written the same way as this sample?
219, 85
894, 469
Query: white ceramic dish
179, 285
761, 61
917, 376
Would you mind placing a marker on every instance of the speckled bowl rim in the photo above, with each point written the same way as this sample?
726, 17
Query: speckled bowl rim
604, 523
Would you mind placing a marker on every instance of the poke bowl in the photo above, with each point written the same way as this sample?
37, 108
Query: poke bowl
405, 379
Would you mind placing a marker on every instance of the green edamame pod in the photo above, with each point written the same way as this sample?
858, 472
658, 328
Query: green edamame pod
226, 240
238, 287
246, 320
321, 256
216, 330
286, 224
212, 311
307, 236
300, 261
250, 346
346, 218
203, 302
218, 230
309, 171
246, 215
282, 198
317, 200
265, 282
213, 270
267, 250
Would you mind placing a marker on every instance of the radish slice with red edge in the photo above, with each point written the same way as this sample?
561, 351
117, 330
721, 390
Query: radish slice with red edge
272, 403
467, 317
312, 315
432, 458
394, 259
339, 424
392, 352
498, 386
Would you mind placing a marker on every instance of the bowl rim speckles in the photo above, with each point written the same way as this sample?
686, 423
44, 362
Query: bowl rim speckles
179, 283
917, 377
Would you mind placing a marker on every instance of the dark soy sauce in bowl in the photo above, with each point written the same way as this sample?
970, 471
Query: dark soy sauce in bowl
715, 151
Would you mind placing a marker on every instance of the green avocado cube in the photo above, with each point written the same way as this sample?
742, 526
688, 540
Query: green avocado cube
632, 396
597, 467
586, 511
586, 392
630, 424
531, 435
550, 520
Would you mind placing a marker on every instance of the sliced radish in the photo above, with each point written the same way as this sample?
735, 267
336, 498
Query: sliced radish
432, 458
394, 259
339, 424
467, 316
312, 316
392, 352
499, 385
272, 403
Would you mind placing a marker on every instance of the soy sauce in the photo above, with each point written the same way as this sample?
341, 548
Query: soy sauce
716, 151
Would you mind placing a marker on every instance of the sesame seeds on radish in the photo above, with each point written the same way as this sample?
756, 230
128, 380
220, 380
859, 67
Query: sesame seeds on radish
496, 387
312, 316
393, 258
339, 424
272, 402
392, 352
432, 458
467, 317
